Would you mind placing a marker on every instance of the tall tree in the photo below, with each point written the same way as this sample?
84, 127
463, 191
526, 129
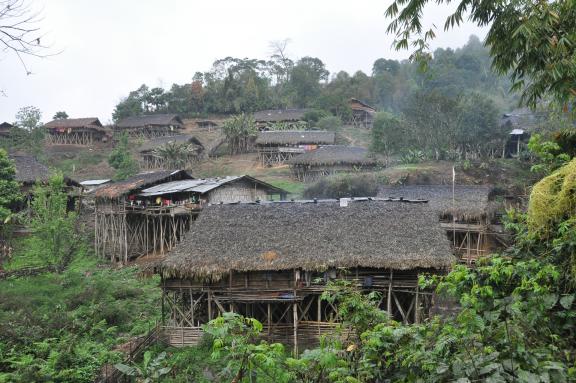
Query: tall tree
305, 80
60, 115
9, 188
533, 41
121, 159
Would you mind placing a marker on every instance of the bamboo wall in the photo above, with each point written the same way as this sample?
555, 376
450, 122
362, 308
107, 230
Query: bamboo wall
239, 191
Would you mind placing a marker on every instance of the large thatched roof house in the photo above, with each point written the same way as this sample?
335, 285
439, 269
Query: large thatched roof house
76, 131
164, 152
150, 126
469, 216
275, 147
263, 259
328, 160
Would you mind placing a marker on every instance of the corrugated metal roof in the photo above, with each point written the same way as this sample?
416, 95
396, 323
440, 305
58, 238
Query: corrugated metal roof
94, 182
517, 131
199, 186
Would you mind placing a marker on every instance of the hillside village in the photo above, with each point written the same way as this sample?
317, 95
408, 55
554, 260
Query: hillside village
272, 222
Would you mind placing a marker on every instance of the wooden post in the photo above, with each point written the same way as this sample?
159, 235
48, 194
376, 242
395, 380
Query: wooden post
389, 302
269, 318
295, 315
209, 305
417, 305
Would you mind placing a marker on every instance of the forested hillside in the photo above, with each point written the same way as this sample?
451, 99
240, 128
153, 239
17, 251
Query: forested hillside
235, 85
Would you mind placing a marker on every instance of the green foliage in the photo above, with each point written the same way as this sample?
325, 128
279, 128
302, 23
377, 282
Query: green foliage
566, 140
9, 188
312, 116
121, 159
534, 42
60, 115
239, 130
176, 155
63, 327
344, 185
548, 153
55, 237
28, 118
412, 156
151, 370
388, 134
329, 123
28, 132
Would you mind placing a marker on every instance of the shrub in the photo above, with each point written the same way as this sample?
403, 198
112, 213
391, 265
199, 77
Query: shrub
330, 123
348, 185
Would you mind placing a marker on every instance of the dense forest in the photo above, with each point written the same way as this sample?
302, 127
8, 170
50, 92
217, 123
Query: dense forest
235, 85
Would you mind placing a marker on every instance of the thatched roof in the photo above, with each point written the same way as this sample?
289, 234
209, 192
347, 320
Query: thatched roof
161, 141
150, 120
334, 155
6, 125
30, 171
76, 123
138, 182
295, 137
278, 115
470, 202
310, 236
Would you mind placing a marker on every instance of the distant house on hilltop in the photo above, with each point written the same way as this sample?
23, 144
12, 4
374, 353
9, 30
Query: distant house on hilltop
75, 131
276, 147
150, 126
5, 129
362, 114
151, 158
291, 117
328, 160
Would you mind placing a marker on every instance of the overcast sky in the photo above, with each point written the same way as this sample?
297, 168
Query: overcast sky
112, 47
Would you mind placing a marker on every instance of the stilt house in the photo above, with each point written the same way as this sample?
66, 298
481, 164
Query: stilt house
76, 131
153, 154
150, 126
275, 147
469, 216
127, 227
362, 114
271, 261
151, 212
292, 118
231, 189
328, 160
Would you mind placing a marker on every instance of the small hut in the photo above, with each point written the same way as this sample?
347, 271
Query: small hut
30, 172
329, 160
127, 227
469, 215
271, 261
150, 126
362, 114
76, 131
292, 118
276, 147
156, 153
216, 190
5, 129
